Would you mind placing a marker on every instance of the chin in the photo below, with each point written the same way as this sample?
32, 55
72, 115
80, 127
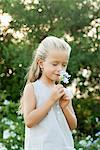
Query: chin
55, 79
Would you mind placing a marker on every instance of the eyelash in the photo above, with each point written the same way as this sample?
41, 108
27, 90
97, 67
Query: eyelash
64, 65
54, 64
57, 64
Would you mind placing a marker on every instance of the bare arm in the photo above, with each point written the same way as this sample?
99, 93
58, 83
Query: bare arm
33, 115
70, 115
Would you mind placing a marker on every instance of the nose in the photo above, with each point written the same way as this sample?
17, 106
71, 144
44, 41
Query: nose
60, 67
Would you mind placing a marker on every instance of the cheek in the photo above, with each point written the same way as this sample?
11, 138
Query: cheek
49, 70
46, 68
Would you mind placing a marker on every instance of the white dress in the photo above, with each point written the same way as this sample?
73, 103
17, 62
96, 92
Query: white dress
53, 132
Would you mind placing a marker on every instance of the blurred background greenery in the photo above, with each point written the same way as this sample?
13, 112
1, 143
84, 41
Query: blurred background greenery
23, 24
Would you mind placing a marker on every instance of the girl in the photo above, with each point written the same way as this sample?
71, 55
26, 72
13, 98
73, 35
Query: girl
47, 109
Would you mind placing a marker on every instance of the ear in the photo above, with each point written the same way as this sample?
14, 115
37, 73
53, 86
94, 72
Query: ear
40, 63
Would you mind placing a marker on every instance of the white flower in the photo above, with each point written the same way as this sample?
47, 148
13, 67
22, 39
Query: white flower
64, 77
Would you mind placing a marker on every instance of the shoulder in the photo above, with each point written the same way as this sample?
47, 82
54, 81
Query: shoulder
29, 94
28, 88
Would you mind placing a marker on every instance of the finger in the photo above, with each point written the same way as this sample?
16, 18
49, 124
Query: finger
61, 91
59, 86
67, 97
61, 94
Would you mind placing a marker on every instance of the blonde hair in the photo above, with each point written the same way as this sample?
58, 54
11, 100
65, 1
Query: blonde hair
48, 44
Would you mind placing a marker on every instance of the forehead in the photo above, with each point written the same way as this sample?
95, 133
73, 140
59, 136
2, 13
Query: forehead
57, 55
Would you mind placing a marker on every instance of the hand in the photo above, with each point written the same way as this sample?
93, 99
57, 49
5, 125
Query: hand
64, 101
57, 92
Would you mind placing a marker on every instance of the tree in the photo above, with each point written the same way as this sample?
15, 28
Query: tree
77, 22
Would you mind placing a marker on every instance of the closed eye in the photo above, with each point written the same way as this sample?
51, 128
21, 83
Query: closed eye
54, 64
64, 65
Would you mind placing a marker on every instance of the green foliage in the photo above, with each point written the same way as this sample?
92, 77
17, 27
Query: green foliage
12, 125
88, 143
73, 20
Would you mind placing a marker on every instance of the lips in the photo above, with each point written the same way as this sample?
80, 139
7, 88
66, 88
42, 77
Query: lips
57, 75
